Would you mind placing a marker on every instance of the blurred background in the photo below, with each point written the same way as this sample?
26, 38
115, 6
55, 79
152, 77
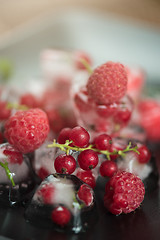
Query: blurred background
120, 30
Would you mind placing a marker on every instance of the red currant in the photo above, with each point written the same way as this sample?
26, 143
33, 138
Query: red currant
88, 159
46, 193
65, 164
123, 116
64, 135
78, 57
4, 111
106, 111
79, 136
108, 168
61, 216
29, 100
144, 154
85, 194
42, 173
103, 142
14, 156
87, 177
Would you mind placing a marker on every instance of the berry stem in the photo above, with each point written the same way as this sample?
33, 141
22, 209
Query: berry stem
66, 148
16, 106
8, 172
86, 65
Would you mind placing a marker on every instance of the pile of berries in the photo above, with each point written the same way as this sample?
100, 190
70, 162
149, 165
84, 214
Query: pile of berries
89, 150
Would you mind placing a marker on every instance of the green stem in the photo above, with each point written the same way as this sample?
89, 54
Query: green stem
16, 106
86, 65
66, 147
8, 172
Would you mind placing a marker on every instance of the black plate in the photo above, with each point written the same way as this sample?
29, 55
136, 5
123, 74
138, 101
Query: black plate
143, 224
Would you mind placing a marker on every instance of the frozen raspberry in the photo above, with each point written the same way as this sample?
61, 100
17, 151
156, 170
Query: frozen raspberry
124, 192
27, 130
85, 194
108, 83
46, 193
4, 111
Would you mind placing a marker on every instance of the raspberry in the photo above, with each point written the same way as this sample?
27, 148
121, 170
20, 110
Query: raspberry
108, 83
27, 130
124, 193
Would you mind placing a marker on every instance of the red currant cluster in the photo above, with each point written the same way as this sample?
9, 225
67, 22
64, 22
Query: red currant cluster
89, 155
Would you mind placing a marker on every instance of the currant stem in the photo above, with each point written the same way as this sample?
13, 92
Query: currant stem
66, 148
86, 65
16, 106
8, 172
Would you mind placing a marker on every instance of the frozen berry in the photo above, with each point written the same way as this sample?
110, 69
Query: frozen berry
88, 159
107, 83
65, 164
13, 155
42, 173
64, 135
108, 168
85, 194
4, 111
79, 136
124, 192
103, 142
56, 121
27, 130
46, 193
79, 58
144, 154
87, 177
29, 100
61, 216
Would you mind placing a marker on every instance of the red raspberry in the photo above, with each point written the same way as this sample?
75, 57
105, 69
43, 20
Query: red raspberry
108, 83
27, 130
124, 193
85, 194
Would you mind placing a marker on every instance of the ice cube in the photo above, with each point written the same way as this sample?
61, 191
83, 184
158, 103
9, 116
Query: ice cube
64, 191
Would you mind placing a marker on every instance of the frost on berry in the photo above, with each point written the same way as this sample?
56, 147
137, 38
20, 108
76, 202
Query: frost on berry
27, 130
